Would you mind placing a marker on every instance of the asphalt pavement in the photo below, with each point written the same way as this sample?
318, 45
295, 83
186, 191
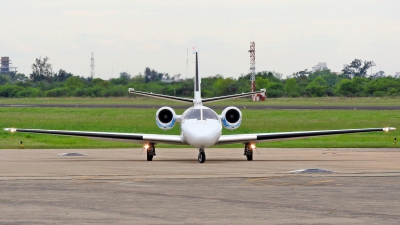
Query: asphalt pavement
118, 186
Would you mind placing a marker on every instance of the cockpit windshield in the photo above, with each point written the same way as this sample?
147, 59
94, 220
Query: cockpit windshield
208, 114
193, 114
200, 114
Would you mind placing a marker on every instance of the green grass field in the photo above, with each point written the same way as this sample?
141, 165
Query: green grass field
143, 121
134, 100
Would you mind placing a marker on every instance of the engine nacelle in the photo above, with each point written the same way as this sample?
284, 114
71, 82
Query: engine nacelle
165, 118
231, 118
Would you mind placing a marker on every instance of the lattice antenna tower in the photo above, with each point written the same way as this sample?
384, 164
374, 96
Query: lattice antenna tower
253, 65
92, 66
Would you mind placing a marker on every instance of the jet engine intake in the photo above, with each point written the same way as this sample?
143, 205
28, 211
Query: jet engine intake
231, 118
165, 118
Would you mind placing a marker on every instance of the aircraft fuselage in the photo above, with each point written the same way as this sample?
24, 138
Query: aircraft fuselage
200, 126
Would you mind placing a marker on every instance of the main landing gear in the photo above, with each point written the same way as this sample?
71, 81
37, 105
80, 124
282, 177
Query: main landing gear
151, 151
248, 151
202, 155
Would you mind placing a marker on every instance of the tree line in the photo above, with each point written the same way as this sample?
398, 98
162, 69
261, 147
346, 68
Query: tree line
353, 81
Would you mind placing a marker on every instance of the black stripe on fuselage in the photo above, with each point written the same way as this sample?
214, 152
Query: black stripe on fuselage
197, 74
313, 133
84, 134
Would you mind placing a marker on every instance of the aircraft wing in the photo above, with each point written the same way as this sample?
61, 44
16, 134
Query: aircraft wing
264, 137
167, 97
137, 138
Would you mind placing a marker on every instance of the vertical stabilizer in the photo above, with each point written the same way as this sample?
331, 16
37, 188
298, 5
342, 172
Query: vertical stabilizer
197, 82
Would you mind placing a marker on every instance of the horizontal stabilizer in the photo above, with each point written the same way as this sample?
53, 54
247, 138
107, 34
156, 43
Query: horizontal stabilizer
167, 97
220, 98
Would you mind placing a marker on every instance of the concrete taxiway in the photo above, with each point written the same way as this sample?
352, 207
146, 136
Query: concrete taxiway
117, 186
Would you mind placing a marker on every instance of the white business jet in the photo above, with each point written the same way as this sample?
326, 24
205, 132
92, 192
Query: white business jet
201, 127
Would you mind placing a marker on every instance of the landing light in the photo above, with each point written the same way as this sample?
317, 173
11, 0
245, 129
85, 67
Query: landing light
11, 130
146, 147
387, 129
252, 146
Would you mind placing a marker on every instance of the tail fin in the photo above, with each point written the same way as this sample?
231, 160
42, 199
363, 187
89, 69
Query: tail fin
197, 82
197, 91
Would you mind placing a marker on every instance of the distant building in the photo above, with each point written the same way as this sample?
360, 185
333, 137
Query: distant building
320, 66
167, 79
5, 66
397, 75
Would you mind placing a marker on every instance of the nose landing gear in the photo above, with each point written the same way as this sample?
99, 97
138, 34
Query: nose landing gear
202, 155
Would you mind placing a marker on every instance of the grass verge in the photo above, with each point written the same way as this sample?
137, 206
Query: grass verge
137, 100
143, 121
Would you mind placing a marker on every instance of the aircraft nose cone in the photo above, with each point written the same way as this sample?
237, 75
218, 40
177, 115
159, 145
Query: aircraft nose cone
201, 134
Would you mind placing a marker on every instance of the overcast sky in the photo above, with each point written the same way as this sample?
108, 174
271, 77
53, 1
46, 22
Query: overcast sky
290, 35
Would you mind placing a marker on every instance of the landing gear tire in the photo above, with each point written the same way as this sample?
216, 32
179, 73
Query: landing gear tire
149, 156
248, 151
249, 156
151, 152
202, 157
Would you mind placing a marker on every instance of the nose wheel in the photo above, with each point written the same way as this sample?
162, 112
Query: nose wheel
202, 156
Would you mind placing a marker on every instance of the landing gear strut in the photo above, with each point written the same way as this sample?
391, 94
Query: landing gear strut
248, 151
202, 155
151, 151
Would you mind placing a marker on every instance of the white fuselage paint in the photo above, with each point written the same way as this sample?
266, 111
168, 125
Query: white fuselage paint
200, 133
